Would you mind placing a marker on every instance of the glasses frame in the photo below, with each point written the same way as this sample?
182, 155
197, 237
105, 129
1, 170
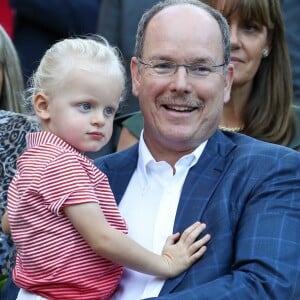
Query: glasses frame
176, 66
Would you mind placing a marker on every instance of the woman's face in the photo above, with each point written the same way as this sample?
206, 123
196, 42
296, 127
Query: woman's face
248, 40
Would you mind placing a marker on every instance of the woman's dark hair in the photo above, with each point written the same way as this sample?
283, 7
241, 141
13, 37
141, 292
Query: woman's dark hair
268, 114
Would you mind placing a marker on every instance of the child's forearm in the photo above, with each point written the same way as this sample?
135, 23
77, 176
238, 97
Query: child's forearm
114, 245
5, 223
119, 248
177, 255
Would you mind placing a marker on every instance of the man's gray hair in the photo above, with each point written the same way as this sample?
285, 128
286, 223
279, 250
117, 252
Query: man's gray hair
148, 15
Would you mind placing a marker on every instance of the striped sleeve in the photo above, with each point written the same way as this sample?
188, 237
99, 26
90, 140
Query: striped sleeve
65, 181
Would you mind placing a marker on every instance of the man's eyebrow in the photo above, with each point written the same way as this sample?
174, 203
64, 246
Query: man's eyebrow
161, 57
202, 60
195, 60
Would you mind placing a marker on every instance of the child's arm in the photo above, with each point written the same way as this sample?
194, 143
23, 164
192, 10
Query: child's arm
112, 244
5, 223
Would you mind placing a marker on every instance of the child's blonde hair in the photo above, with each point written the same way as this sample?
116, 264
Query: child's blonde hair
80, 52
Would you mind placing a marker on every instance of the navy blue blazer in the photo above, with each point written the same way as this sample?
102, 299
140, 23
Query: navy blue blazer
248, 194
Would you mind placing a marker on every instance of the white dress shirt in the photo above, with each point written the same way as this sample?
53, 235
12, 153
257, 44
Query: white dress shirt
149, 207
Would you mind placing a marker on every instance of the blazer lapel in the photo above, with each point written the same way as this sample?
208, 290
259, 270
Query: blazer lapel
198, 188
119, 169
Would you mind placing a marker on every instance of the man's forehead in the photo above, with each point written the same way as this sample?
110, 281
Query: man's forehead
181, 12
184, 27
185, 18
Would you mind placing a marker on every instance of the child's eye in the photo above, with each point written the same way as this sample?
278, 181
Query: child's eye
108, 111
85, 107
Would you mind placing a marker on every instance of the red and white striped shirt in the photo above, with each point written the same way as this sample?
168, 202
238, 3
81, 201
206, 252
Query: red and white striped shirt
53, 260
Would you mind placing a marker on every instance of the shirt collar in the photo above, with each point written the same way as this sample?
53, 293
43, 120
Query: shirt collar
145, 156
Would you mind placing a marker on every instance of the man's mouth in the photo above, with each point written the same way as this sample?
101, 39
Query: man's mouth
179, 108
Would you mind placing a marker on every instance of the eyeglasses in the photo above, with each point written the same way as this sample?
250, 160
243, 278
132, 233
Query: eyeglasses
168, 68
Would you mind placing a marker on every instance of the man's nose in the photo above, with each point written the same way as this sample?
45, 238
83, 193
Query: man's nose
181, 80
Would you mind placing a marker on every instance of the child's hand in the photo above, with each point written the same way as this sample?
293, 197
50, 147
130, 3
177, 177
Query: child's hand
180, 254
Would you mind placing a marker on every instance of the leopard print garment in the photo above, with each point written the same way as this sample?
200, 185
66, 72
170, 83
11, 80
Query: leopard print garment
13, 130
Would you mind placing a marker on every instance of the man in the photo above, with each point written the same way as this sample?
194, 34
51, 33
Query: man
184, 169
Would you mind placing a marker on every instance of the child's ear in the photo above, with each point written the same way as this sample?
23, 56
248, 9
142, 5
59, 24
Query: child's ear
41, 106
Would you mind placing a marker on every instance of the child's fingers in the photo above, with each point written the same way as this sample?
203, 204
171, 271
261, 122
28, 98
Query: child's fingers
198, 249
191, 233
193, 258
196, 246
172, 239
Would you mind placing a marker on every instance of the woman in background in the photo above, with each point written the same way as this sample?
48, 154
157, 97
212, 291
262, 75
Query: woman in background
262, 92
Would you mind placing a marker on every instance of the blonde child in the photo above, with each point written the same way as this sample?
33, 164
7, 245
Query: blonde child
70, 236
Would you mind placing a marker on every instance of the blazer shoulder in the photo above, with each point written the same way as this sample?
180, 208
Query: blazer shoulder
118, 160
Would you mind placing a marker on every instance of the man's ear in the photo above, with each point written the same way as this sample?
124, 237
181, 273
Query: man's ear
135, 76
41, 106
228, 82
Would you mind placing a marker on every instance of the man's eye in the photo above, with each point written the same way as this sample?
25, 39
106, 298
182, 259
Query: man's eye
85, 107
200, 69
108, 111
163, 66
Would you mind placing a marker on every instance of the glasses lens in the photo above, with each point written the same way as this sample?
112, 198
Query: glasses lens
164, 67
